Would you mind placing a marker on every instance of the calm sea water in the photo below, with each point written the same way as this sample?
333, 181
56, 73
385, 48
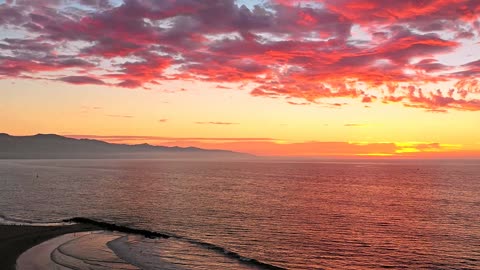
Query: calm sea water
331, 215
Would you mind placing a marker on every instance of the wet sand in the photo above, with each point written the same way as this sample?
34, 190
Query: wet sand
16, 239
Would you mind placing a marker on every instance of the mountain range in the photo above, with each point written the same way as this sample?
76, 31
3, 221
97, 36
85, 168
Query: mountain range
44, 146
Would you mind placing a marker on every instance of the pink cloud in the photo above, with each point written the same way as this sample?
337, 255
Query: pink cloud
286, 49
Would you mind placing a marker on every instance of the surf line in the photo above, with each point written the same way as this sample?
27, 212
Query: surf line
152, 234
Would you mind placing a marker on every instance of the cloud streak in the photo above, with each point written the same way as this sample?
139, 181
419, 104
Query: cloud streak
354, 125
125, 138
364, 51
81, 80
216, 123
119, 116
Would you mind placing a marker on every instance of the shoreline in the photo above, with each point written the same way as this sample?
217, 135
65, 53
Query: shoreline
16, 239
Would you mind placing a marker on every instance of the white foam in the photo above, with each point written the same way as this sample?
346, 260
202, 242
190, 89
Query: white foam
172, 254
38, 257
84, 250
13, 221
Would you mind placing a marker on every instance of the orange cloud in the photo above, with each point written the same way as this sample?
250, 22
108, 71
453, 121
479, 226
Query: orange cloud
273, 147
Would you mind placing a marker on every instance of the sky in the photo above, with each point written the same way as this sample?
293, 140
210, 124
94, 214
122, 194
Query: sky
335, 78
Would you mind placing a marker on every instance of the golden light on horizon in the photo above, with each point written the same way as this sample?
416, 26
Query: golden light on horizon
342, 82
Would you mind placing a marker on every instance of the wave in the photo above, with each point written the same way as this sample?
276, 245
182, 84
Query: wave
153, 234
23, 222
70, 258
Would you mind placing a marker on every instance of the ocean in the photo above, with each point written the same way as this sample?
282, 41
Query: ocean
263, 214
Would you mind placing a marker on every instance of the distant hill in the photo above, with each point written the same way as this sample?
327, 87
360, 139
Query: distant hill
56, 146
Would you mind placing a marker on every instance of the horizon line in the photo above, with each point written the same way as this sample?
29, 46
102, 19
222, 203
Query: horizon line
213, 143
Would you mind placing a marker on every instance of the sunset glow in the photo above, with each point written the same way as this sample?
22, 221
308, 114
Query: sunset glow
334, 78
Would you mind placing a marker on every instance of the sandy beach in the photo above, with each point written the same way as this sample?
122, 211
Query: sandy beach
16, 239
